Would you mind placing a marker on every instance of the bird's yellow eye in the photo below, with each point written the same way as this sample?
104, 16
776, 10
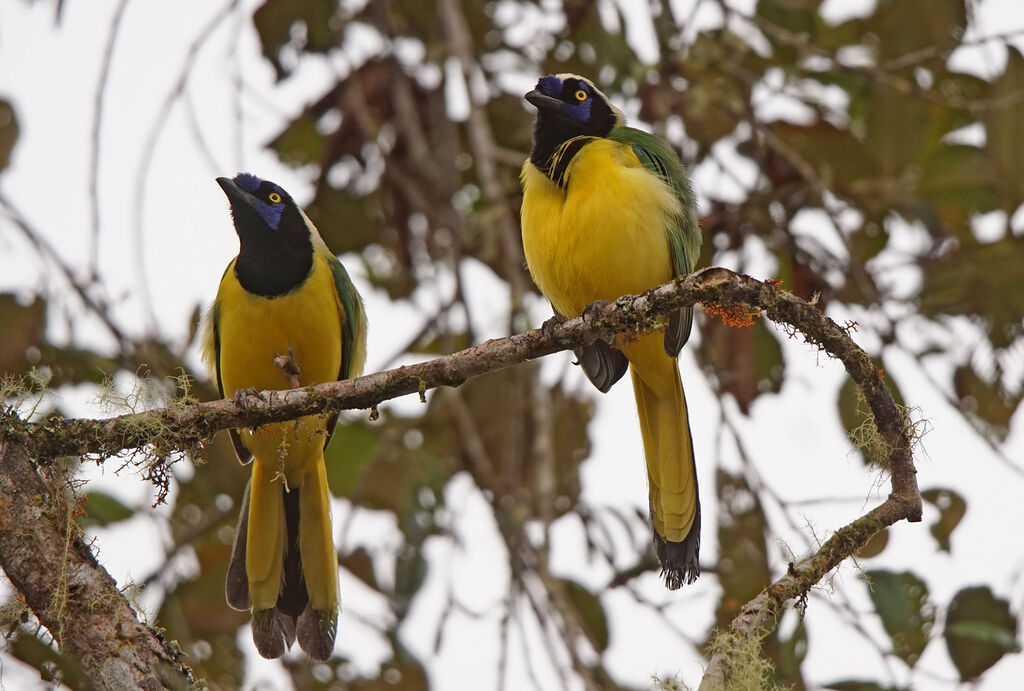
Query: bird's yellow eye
581, 95
274, 198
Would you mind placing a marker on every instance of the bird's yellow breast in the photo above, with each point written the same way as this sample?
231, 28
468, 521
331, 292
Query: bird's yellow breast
253, 330
602, 235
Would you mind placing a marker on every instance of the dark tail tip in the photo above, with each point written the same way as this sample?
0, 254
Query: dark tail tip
272, 632
316, 632
679, 560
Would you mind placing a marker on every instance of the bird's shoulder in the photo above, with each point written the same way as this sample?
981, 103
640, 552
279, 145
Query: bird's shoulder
350, 311
651, 152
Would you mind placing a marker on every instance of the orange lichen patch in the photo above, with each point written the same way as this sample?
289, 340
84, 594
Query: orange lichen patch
738, 316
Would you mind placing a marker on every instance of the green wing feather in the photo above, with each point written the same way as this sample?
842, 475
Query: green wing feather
211, 355
683, 231
353, 324
353, 320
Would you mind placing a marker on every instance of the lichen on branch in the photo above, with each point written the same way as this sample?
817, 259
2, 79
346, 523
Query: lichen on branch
184, 428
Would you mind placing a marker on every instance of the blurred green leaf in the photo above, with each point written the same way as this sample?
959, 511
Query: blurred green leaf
743, 568
985, 632
102, 509
893, 147
592, 616
875, 545
348, 223
301, 142
797, 16
907, 26
987, 402
714, 101
360, 564
496, 425
747, 361
590, 44
353, 446
1004, 130
952, 508
194, 610
8, 132
277, 22
442, 343
571, 415
957, 180
867, 241
792, 652
837, 159
401, 672
901, 600
22, 327
861, 685
980, 629
978, 280
51, 664
769, 366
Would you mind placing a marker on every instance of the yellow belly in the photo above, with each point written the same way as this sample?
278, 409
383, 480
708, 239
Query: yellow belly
253, 331
601, 237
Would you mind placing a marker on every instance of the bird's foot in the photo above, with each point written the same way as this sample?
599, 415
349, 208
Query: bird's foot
593, 315
595, 310
549, 326
244, 398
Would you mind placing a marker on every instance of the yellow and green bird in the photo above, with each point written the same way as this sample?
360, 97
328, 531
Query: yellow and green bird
608, 210
286, 314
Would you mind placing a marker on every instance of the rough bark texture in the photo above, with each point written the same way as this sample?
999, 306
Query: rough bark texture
757, 617
103, 635
46, 559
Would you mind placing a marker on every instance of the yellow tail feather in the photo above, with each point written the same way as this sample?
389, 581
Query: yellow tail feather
265, 539
668, 448
316, 540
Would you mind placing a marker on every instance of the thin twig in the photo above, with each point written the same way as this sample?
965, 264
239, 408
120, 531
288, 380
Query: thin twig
94, 149
149, 151
481, 140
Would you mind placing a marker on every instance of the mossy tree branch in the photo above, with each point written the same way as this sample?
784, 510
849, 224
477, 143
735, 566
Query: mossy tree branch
42, 550
187, 427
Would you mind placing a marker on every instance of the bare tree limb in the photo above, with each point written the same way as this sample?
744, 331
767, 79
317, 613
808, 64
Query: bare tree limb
185, 427
94, 149
483, 146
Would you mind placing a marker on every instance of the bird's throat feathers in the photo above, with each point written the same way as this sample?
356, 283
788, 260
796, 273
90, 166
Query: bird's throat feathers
557, 166
273, 262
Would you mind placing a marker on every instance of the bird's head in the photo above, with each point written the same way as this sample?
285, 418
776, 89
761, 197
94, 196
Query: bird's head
571, 105
257, 206
568, 106
275, 237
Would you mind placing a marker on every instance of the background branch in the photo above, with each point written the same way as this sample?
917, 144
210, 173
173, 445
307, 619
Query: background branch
184, 427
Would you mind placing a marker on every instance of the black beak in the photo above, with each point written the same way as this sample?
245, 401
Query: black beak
544, 102
247, 219
236, 195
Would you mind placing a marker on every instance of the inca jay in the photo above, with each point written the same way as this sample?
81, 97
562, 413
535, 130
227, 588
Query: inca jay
287, 295
608, 210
